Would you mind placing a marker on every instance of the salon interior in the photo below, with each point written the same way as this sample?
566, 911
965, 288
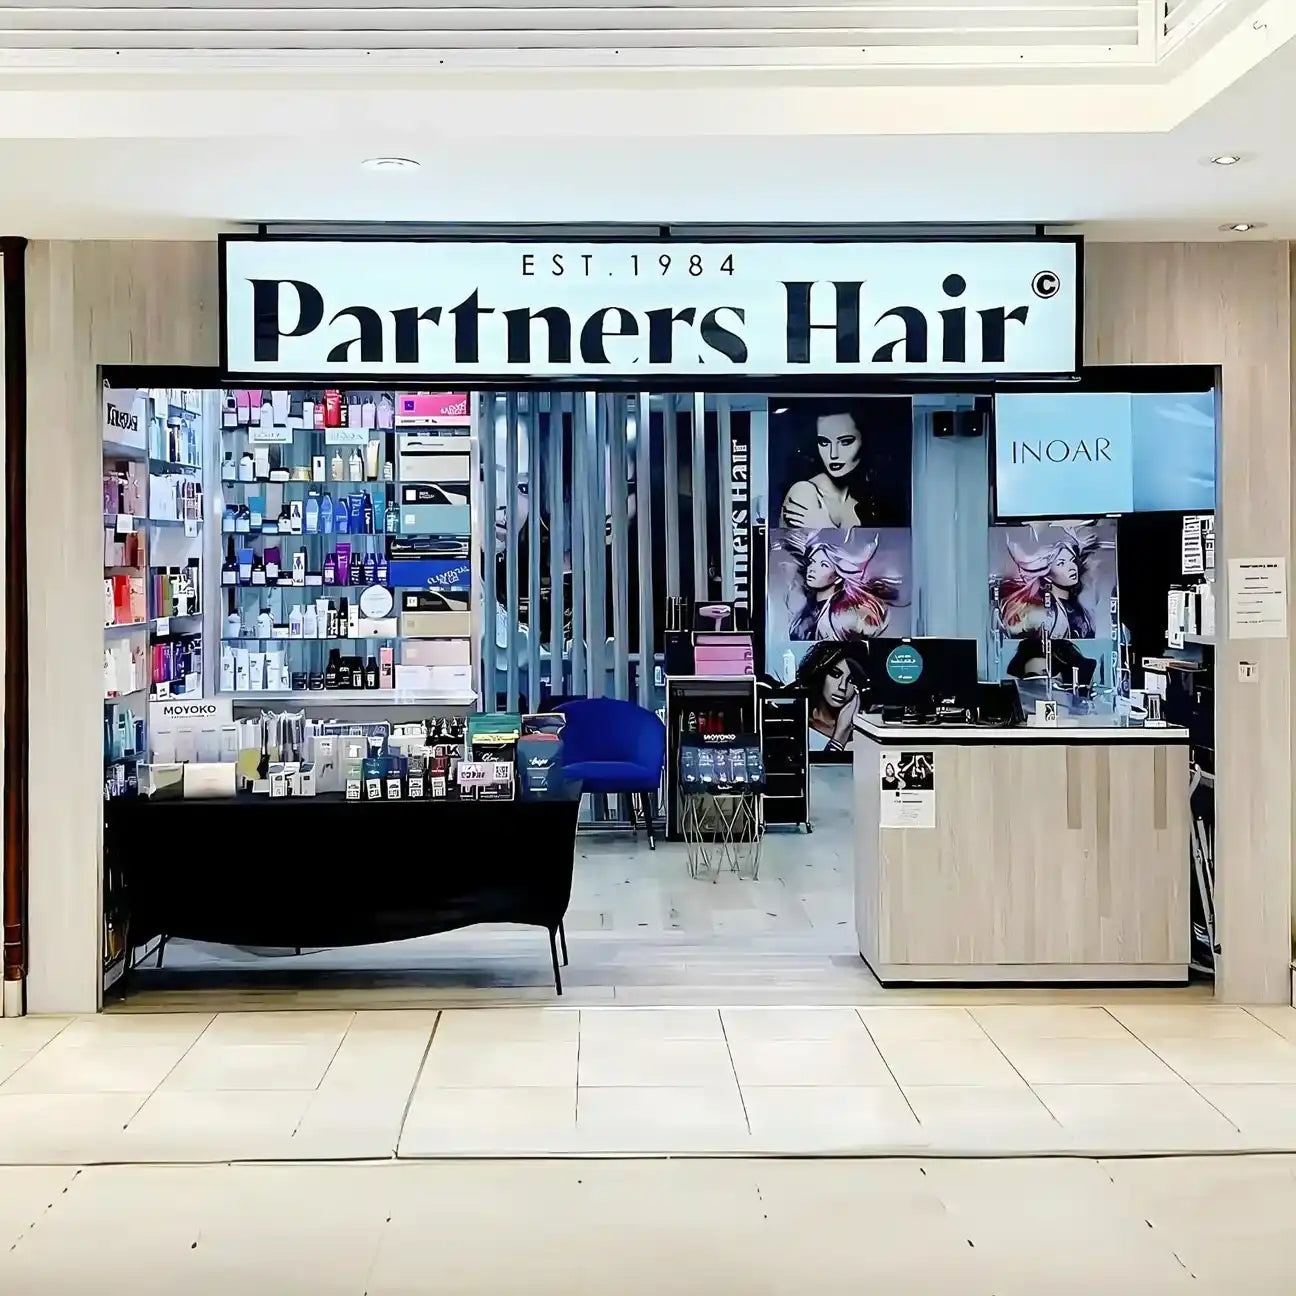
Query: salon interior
1028, 536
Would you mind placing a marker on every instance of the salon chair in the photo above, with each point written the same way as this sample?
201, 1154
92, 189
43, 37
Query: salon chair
615, 747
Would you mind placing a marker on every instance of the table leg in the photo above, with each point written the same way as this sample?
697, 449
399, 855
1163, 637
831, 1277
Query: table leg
553, 954
562, 937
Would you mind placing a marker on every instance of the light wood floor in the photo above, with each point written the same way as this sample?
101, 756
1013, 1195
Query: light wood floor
640, 931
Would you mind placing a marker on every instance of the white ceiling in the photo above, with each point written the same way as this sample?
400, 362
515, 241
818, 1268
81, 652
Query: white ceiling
1117, 145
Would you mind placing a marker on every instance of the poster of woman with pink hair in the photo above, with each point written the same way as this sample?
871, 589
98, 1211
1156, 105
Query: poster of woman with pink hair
839, 585
1054, 580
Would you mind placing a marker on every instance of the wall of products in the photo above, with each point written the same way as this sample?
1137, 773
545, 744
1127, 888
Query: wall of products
346, 540
153, 513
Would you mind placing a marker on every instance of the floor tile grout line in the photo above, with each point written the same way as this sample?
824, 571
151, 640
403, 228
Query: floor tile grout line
885, 1063
418, 1075
1273, 1030
319, 1084
733, 1066
171, 1070
580, 1039
1147, 1044
33, 1054
1038, 1098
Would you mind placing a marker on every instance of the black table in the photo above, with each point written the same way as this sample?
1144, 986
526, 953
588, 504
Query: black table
321, 871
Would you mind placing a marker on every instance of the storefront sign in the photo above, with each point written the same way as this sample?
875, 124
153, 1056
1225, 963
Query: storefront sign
740, 512
125, 416
445, 310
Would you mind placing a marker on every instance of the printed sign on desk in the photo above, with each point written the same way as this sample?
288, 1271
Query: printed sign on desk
908, 788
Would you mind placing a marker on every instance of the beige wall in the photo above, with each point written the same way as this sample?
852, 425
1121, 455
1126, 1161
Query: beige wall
88, 304
1230, 305
156, 303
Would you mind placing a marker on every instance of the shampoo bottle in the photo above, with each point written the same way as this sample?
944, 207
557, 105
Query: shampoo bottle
229, 568
309, 622
355, 467
337, 469
312, 522
326, 514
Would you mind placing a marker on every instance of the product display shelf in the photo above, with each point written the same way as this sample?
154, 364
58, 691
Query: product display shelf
176, 455
125, 451
357, 697
172, 466
279, 484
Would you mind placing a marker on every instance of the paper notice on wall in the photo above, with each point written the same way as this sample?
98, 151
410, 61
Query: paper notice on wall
1257, 598
908, 787
1208, 541
1193, 559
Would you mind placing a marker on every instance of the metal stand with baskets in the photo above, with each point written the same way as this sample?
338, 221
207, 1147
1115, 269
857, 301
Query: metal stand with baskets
721, 781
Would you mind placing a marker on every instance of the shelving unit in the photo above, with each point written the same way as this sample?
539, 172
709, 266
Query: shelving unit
302, 493
153, 573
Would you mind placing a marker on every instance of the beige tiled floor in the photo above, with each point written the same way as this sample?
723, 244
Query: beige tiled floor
1005, 1077
1178, 1227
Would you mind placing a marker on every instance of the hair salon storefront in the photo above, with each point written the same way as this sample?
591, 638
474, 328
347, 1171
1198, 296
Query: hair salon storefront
781, 346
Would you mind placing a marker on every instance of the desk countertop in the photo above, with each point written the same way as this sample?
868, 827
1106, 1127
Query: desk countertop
1075, 731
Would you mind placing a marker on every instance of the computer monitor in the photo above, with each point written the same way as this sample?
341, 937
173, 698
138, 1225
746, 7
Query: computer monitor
918, 674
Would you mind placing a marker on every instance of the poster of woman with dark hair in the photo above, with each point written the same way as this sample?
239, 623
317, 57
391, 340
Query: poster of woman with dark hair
835, 464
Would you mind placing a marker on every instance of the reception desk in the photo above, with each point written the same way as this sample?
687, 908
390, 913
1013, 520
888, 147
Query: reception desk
1026, 855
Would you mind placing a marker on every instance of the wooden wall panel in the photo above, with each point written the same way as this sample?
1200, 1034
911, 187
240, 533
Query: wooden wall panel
1230, 304
89, 304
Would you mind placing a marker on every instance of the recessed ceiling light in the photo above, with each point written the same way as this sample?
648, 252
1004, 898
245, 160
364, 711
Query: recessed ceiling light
1242, 227
1226, 159
391, 164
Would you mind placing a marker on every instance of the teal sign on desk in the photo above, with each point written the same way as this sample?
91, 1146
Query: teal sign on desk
903, 664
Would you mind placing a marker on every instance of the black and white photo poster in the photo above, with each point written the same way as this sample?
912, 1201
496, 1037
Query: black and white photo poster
908, 789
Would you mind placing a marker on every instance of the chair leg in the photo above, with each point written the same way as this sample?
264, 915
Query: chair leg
646, 805
553, 954
562, 938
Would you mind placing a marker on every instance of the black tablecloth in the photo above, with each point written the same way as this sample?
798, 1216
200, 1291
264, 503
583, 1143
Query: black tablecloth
322, 871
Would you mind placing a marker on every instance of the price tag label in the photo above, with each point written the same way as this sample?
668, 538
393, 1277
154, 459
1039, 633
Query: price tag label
191, 527
475, 773
164, 625
346, 436
269, 434
162, 689
125, 524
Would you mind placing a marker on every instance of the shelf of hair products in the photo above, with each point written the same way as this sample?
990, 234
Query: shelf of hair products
274, 560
